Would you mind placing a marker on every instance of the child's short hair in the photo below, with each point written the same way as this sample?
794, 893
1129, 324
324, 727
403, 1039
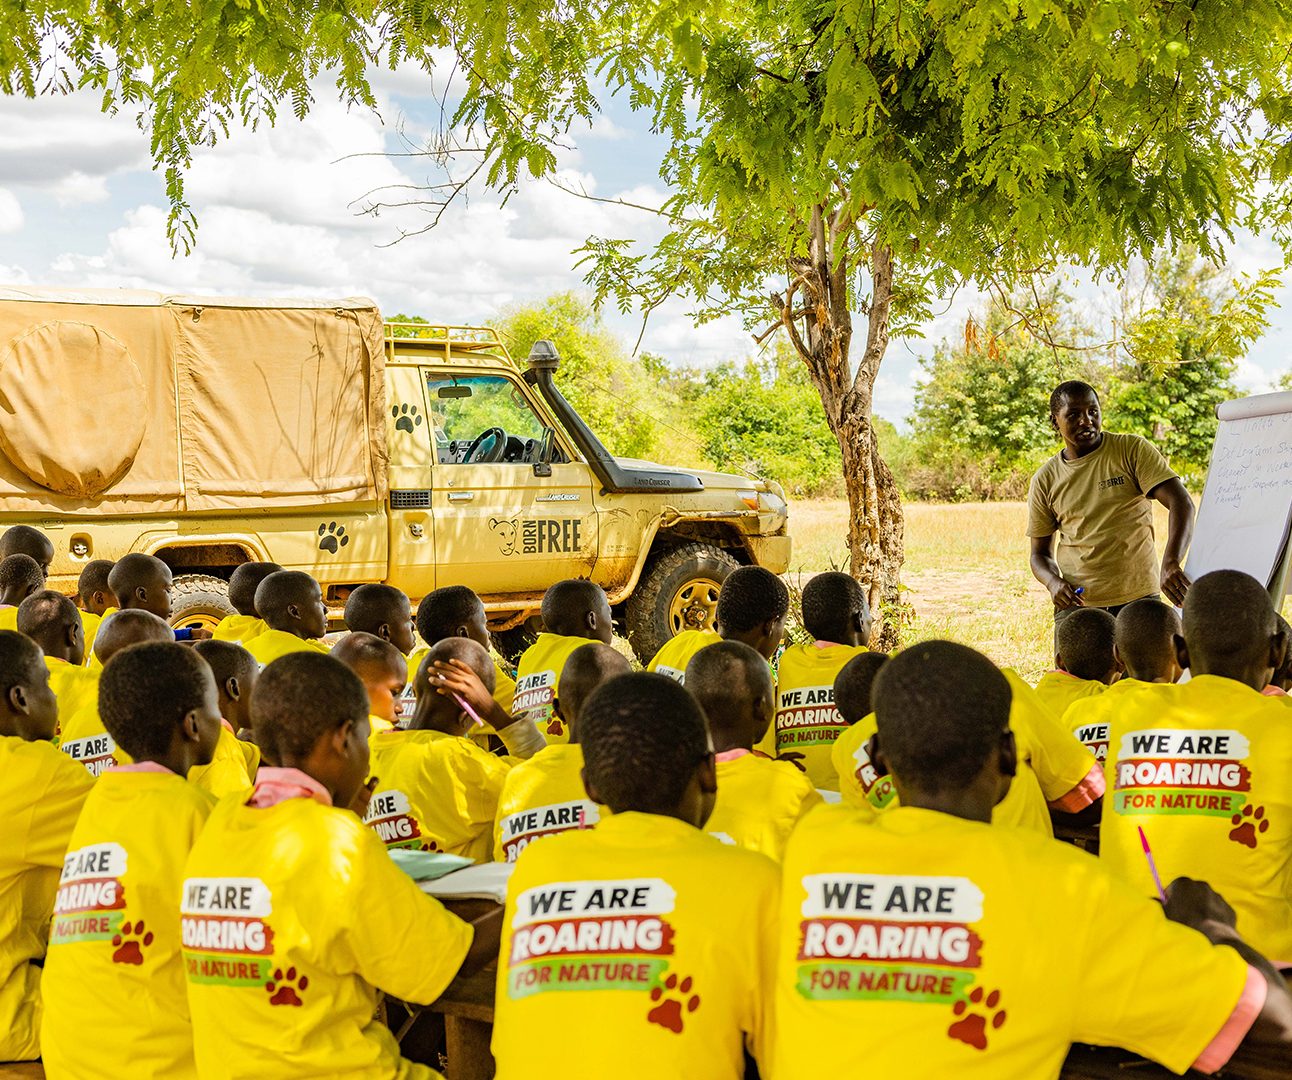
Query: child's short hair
147, 689
471, 653
46, 613
643, 737
129, 627
280, 590
855, 683
133, 571
567, 602
1228, 617
830, 601
94, 578
1069, 391
20, 573
1145, 635
587, 668
227, 660
361, 650
750, 597
244, 581
940, 709
1084, 642
441, 612
29, 541
301, 697
20, 660
371, 605
714, 673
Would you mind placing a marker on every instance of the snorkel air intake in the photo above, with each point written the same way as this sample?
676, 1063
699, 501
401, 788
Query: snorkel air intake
615, 477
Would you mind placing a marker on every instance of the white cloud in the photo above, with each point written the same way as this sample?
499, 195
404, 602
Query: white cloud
76, 188
11, 217
47, 139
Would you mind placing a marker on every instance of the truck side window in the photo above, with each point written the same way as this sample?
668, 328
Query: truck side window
481, 418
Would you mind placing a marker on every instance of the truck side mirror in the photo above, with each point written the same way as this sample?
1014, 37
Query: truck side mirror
546, 449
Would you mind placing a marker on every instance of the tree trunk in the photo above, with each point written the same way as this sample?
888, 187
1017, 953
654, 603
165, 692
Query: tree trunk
875, 521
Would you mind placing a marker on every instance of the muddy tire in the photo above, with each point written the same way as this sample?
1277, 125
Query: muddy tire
678, 591
511, 643
199, 600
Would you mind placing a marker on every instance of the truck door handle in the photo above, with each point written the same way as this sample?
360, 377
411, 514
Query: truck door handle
461, 496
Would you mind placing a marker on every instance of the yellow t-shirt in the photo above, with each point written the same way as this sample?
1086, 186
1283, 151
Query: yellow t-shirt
9, 617
292, 917
1054, 769
1099, 507
1205, 768
806, 720
82, 736
76, 688
272, 644
231, 769
759, 803
239, 628
90, 624
435, 792
985, 951
504, 686
1057, 690
623, 927
1088, 717
538, 677
115, 998
41, 794
541, 797
677, 651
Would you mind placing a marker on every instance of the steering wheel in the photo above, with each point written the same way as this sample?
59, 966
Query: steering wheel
494, 453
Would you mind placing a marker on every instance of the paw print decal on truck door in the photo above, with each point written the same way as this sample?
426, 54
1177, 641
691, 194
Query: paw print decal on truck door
332, 537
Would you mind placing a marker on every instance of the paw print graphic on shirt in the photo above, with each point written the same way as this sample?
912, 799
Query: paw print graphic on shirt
1248, 825
555, 727
976, 1015
129, 944
282, 987
674, 1000
332, 537
407, 417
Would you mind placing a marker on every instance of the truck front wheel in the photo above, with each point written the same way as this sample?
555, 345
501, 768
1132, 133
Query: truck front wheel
199, 600
678, 591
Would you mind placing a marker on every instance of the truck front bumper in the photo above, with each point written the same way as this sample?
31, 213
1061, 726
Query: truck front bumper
772, 552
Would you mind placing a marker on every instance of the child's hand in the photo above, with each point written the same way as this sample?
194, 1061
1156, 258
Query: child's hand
794, 757
362, 797
1197, 904
198, 634
456, 678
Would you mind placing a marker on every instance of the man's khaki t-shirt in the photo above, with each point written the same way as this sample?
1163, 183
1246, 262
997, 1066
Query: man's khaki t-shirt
1098, 507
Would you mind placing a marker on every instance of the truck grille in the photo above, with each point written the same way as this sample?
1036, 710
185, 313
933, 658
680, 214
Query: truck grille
410, 500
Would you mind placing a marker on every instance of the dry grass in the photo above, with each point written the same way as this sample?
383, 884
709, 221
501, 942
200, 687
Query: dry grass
966, 574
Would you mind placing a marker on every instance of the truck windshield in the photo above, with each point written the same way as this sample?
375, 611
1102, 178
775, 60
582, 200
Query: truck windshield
467, 410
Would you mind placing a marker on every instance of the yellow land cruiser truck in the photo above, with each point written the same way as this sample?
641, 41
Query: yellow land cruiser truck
214, 431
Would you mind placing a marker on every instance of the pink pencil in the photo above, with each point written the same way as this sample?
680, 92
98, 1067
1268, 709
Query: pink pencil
1152, 865
466, 708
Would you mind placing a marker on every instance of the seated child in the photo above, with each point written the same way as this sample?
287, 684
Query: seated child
291, 603
116, 931
291, 906
143, 583
456, 611
574, 612
436, 790
41, 793
51, 620
382, 669
20, 577
82, 736
1085, 661
243, 583
1205, 768
234, 764
1145, 647
837, 615
943, 934
1055, 772
544, 795
1281, 680
663, 934
384, 612
95, 598
852, 749
753, 604
760, 800
26, 540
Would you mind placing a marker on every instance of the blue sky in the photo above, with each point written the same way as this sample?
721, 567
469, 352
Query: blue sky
79, 205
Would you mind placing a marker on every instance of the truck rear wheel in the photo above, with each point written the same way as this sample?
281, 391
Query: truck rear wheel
199, 600
678, 591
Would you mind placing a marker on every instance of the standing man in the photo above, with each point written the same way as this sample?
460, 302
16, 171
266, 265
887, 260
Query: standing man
1095, 495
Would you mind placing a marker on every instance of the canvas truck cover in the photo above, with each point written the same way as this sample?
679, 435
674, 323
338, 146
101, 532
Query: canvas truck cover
122, 401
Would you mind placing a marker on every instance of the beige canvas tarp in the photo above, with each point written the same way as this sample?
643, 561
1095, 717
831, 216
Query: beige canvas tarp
132, 402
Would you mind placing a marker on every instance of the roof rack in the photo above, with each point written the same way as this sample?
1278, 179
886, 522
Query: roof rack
468, 338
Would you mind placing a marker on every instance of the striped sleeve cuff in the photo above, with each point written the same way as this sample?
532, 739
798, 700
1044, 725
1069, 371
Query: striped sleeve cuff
1083, 794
